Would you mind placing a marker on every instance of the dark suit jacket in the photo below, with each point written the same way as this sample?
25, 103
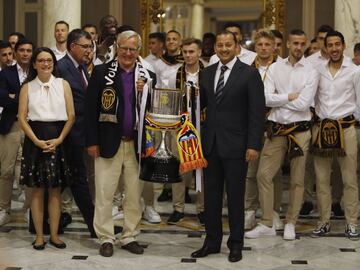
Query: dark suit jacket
104, 134
71, 74
9, 84
237, 122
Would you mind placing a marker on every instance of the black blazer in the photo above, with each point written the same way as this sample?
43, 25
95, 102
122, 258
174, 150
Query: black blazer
70, 73
104, 134
237, 122
9, 84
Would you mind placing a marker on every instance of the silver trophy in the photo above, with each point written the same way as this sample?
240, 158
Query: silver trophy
165, 110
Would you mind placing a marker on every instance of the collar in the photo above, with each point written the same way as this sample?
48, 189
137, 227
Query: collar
19, 69
229, 64
345, 63
301, 62
243, 51
76, 64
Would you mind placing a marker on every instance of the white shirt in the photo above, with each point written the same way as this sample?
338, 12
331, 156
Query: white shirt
165, 74
46, 101
282, 79
58, 54
22, 73
245, 56
151, 59
226, 73
76, 64
317, 59
338, 96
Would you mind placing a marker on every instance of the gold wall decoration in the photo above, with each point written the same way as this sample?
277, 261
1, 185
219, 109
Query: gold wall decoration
274, 15
151, 12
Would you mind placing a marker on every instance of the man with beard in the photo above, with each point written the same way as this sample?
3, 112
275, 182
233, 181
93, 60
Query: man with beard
289, 91
243, 54
233, 95
6, 55
208, 43
336, 101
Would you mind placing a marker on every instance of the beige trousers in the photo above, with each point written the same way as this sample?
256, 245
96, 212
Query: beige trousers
271, 159
9, 147
252, 193
348, 171
107, 174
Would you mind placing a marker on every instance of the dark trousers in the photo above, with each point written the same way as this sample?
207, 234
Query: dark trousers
232, 172
80, 185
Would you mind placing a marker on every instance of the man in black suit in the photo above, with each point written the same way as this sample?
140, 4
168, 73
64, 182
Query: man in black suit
11, 79
231, 136
71, 68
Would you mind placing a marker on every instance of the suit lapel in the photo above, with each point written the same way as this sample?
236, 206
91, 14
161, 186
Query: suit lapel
233, 76
211, 78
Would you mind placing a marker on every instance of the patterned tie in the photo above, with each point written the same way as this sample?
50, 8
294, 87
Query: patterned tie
220, 85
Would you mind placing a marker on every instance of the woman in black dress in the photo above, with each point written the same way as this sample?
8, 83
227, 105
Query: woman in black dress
46, 114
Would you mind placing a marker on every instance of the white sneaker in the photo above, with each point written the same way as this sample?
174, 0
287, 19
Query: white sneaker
250, 219
151, 216
278, 224
117, 215
260, 231
289, 232
4, 217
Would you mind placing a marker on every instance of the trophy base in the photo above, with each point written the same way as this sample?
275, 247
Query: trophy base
160, 170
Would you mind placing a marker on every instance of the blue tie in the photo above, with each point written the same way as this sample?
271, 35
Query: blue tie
220, 85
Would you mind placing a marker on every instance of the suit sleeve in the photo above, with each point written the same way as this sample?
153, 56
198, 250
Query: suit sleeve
5, 101
256, 111
92, 107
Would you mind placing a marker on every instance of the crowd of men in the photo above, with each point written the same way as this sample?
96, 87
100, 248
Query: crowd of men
312, 99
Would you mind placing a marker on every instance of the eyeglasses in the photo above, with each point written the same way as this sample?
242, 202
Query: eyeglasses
127, 49
85, 46
43, 61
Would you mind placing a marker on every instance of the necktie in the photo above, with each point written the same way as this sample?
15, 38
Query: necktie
83, 81
220, 85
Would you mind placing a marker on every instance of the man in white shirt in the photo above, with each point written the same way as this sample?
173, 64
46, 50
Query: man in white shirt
156, 47
320, 56
264, 46
278, 42
243, 54
336, 101
61, 32
289, 91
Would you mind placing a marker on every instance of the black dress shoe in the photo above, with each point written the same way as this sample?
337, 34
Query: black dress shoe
134, 247
39, 247
235, 255
106, 249
204, 251
61, 245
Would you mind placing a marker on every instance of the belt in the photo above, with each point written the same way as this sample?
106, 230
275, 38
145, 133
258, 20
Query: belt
127, 139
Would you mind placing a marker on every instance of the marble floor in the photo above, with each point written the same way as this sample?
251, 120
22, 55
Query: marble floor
169, 248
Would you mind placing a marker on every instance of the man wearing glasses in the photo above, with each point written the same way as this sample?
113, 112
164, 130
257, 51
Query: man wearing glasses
71, 68
112, 120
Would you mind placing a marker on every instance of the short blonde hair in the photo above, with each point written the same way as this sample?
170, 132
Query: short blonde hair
264, 34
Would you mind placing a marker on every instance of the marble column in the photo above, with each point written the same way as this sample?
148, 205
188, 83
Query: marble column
308, 18
197, 18
64, 10
347, 21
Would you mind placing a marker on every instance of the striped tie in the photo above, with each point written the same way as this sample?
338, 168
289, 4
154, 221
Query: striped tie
220, 85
